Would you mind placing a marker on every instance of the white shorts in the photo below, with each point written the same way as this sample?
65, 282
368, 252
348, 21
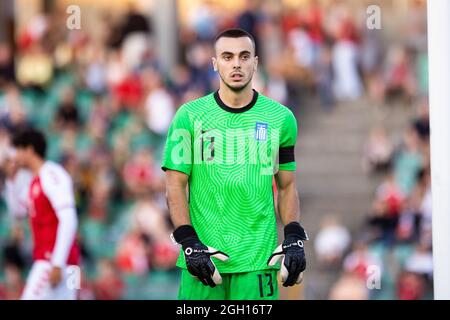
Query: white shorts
38, 285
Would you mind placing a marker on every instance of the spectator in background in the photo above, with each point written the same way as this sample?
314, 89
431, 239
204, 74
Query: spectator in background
201, 69
14, 261
7, 72
13, 254
109, 284
415, 27
387, 206
155, 228
87, 290
272, 32
202, 21
134, 22
325, 79
132, 255
159, 105
67, 116
410, 286
360, 259
15, 191
313, 19
249, 20
290, 19
5, 145
422, 121
99, 198
116, 69
415, 215
378, 152
349, 287
371, 60
99, 120
128, 92
331, 242
421, 261
371, 52
302, 45
422, 72
139, 173
179, 82
276, 87
399, 77
12, 109
35, 68
13, 285
426, 206
408, 161
33, 32
135, 47
95, 74
347, 84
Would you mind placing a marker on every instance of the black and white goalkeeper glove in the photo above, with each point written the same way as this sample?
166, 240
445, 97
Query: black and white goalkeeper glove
198, 256
293, 254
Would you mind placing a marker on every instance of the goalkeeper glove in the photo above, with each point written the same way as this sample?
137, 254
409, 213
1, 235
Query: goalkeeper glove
293, 253
198, 256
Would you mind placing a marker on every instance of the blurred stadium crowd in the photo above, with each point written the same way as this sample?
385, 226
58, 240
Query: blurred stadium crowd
105, 104
390, 256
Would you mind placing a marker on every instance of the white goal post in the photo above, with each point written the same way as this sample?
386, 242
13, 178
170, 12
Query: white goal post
439, 82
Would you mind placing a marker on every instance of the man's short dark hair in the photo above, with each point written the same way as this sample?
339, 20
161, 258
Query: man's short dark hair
30, 137
235, 33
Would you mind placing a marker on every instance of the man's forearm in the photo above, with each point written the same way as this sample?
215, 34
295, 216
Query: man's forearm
178, 205
65, 236
291, 251
288, 204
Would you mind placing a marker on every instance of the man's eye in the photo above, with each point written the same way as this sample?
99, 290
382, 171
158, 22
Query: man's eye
227, 58
245, 57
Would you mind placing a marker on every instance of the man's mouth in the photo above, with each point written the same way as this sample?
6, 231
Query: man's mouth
237, 76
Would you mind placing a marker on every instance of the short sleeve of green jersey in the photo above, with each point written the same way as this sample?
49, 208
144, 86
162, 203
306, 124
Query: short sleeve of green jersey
178, 149
288, 139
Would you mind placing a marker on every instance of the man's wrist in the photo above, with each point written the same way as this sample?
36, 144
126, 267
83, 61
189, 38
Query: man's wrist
294, 229
185, 235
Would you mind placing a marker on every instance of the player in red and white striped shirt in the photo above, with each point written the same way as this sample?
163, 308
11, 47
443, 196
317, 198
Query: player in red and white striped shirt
53, 219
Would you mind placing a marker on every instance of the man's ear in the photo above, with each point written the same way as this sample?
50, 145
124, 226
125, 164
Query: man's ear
255, 65
214, 62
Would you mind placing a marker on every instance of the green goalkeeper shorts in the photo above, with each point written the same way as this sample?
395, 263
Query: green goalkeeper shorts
257, 285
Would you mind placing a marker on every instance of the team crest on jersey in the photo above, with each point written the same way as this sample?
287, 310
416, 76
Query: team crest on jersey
261, 131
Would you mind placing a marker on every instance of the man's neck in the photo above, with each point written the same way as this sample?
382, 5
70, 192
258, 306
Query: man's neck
234, 99
36, 165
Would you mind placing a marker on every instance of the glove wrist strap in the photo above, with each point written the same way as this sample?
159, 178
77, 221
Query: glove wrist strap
185, 234
295, 229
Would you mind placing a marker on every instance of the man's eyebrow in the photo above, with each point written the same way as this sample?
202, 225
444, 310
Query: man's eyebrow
231, 53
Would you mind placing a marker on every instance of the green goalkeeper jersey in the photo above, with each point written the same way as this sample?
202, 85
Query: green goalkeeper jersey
231, 156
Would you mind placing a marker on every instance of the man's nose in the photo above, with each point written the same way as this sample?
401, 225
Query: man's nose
236, 62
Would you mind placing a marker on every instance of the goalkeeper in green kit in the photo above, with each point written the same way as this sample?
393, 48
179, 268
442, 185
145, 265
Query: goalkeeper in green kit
221, 155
